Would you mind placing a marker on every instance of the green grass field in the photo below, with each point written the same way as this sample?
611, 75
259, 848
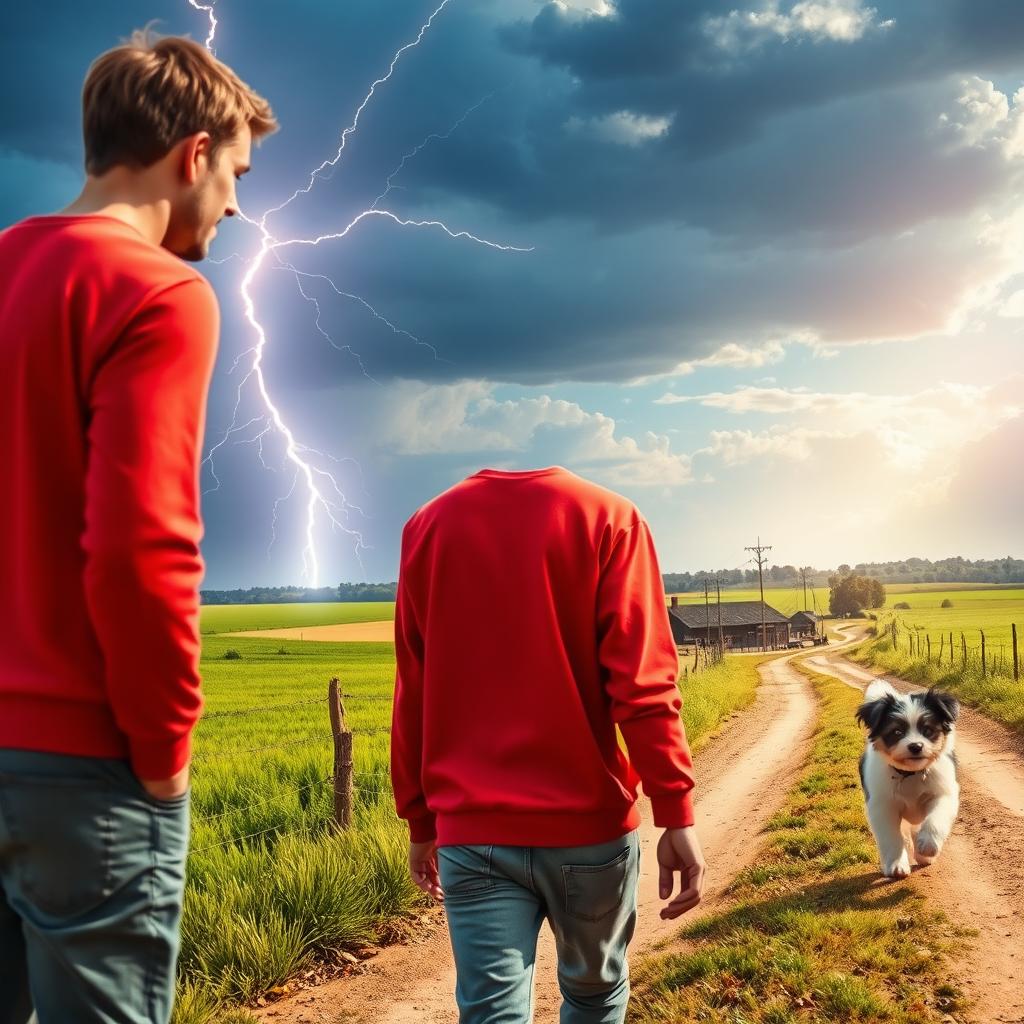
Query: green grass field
994, 691
236, 618
271, 886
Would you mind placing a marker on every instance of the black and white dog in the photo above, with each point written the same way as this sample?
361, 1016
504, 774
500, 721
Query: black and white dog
909, 772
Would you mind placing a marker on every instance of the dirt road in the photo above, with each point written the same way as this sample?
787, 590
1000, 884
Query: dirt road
978, 879
742, 775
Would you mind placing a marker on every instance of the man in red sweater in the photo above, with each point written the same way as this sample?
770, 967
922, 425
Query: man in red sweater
107, 343
530, 630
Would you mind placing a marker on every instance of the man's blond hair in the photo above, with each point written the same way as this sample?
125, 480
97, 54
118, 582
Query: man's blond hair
142, 98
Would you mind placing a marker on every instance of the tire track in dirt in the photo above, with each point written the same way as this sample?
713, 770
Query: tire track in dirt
742, 776
978, 879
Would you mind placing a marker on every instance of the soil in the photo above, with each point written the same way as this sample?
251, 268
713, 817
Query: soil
352, 632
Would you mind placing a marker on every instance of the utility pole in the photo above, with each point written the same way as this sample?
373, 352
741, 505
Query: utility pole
760, 559
721, 641
803, 576
707, 617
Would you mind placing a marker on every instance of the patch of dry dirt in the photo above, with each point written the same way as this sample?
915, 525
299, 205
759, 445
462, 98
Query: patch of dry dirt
352, 632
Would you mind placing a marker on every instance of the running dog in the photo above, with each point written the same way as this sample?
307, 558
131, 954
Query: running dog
909, 772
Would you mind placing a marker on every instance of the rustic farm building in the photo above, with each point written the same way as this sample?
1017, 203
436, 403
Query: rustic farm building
803, 625
741, 624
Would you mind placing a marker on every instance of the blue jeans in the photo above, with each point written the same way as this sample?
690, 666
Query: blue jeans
92, 871
497, 897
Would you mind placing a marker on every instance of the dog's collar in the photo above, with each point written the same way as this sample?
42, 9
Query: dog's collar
906, 775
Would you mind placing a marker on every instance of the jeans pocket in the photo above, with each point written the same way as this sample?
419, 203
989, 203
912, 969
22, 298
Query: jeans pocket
592, 891
64, 835
465, 869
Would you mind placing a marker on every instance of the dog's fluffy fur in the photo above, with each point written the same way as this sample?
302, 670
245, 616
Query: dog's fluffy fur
909, 772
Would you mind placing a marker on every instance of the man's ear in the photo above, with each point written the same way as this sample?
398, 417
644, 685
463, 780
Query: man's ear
195, 156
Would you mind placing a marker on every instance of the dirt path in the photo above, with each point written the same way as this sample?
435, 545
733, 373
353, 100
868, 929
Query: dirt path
978, 879
350, 632
742, 775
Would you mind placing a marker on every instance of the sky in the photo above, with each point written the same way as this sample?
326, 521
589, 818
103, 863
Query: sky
757, 265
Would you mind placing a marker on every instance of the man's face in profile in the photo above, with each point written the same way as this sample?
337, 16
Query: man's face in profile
202, 204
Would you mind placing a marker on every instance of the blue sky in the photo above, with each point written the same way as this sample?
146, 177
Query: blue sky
774, 283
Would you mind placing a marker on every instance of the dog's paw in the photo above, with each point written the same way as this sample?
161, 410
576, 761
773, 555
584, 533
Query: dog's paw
897, 868
926, 848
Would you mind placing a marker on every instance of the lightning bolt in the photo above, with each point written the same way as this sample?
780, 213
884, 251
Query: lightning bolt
213, 23
324, 497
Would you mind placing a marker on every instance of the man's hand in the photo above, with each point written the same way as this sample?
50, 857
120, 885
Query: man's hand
679, 850
423, 868
167, 789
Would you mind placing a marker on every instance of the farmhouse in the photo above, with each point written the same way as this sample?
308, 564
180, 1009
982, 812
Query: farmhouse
803, 624
741, 624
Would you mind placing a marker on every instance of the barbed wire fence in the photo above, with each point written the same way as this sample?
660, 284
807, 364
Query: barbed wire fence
344, 780
951, 648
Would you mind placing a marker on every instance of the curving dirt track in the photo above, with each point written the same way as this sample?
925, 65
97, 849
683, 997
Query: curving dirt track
978, 879
742, 776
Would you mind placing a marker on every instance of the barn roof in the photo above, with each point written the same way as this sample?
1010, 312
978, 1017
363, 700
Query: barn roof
803, 616
734, 613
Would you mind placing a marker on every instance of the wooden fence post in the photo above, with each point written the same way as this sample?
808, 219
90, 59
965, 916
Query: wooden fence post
984, 667
963, 643
342, 757
942, 647
928, 639
1016, 661
951, 648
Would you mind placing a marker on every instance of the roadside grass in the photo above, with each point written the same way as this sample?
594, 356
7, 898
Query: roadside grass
711, 696
272, 889
814, 934
995, 693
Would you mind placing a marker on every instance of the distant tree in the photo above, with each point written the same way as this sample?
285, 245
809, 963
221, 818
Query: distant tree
852, 592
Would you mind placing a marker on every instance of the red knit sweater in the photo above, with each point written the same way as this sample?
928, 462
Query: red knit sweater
106, 349
530, 622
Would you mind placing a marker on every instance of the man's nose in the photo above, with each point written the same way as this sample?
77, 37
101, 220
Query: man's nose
915, 748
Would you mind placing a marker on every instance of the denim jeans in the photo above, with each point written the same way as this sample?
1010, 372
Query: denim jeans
92, 871
497, 897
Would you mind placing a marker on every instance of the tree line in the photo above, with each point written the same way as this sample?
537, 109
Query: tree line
911, 570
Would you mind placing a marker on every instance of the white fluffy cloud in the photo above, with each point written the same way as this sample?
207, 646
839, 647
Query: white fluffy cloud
623, 127
843, 21
985, 117
466, 418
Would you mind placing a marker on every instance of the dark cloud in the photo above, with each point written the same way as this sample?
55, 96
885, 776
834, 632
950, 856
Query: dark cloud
796, 178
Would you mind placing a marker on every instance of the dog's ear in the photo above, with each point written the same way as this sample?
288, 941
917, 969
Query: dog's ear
873, 712
943, 706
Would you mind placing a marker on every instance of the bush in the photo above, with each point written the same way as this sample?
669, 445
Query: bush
232, 655
946, 603
902, 606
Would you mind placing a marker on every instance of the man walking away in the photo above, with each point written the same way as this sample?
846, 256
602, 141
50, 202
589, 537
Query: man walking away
107, 342
530, 623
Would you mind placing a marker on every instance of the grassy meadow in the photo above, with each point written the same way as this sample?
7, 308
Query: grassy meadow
810, 935
272, 888
237, 618
993, 610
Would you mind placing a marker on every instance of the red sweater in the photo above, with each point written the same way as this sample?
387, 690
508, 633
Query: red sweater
106, 349
530, 622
